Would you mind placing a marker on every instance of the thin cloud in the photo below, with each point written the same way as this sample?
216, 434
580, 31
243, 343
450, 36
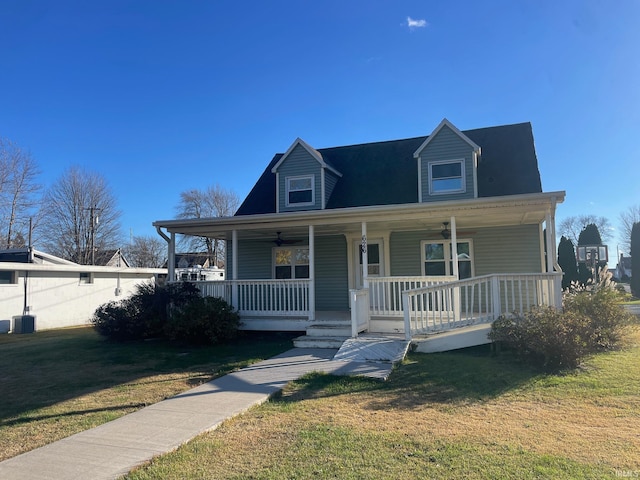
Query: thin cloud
411, 23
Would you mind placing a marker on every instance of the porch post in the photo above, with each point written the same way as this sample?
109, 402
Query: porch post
172, 258
454, 247
365, 258
234, 268
312, 274
551, 235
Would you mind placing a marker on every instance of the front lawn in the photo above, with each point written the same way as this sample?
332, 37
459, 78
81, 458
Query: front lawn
57, 383
451, 415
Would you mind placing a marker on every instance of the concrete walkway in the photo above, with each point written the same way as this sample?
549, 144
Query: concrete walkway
113, 449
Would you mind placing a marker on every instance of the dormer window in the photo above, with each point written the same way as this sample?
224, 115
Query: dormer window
300, 191
446, 177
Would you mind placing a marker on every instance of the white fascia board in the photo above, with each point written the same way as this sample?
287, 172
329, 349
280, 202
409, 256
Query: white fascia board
73, 268
442, 124
312, 151
358, 214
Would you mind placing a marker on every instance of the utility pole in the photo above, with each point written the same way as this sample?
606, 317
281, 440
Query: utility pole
94, 222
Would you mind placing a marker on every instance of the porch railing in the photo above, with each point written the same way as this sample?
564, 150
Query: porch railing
477, 300
262, 297
386, 292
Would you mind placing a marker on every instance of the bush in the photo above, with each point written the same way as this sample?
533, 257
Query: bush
544, 337
592, 321
176, 311
203, 321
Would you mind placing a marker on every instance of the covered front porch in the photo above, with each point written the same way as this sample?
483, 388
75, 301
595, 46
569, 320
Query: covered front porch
368, 269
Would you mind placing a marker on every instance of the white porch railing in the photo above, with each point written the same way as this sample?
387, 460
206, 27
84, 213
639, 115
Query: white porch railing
386, 292
266, 298
477, 300
359, 303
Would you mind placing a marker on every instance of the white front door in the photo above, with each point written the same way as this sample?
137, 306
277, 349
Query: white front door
375, 254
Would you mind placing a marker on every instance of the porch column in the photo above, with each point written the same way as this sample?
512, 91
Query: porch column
454, 247
234, 268
365, 259
312, 275
551, 235
171, 258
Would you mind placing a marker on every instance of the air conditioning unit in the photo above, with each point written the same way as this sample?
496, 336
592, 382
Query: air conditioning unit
24, 324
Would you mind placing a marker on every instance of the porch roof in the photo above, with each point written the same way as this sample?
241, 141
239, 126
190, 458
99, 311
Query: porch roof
472, 213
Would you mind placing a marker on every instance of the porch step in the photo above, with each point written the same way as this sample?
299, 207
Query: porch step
334, 329
454, 339
315, 341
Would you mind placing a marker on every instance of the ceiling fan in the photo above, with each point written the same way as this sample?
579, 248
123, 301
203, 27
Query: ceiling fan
281, 241
446, 233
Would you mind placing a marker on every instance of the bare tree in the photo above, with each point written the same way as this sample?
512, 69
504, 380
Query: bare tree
571, 227
19, 193
81, 216
147, 251
215, 201
627, 219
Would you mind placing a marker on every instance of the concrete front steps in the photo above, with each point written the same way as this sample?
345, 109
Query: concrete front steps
324, 335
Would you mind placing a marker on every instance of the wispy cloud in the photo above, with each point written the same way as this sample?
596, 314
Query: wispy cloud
411, 23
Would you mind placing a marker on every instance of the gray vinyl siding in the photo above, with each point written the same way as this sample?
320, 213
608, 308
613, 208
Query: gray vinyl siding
330, 180
332, 279
255, 262
514, 249
447, 145
299, 163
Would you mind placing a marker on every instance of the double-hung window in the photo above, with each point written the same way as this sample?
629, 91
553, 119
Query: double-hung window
446, 177
437, 258
291, 262
300, 191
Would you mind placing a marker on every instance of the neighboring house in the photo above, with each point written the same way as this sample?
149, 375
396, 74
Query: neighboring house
57, 292
195, 266
366, 233
111, 258
623, 269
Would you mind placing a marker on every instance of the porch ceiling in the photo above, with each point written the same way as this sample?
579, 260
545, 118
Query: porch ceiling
476, 213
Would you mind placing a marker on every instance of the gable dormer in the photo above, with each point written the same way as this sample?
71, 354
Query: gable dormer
304, 180
447, 165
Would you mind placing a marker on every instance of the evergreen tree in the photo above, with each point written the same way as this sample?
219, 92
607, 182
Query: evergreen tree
635, 260
567, 261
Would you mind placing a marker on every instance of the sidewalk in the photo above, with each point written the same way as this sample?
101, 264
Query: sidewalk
113, 449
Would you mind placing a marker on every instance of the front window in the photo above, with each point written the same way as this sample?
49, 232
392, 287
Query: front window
300, 191
291, 262
446, 177
437, 258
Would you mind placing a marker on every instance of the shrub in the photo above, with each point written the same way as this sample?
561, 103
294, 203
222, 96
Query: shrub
591, 321
205, 320
145, 313
544, 337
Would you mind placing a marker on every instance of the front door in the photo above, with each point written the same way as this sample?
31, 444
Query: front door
375, 260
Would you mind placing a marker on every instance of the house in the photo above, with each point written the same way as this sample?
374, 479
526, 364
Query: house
59, 293
111, 258
195, 266
364, 234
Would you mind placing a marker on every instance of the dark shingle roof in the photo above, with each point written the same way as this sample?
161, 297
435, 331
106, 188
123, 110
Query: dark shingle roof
385, 173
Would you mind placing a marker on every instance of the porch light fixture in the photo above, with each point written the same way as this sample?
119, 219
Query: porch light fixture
446, 233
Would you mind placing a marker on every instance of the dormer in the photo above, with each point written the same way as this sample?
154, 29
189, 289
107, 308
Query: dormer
304, 179
447, 165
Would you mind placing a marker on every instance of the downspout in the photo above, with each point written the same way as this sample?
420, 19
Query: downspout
171, 254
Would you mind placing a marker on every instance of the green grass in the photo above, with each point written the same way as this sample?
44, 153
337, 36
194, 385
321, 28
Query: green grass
453, 415
59, 382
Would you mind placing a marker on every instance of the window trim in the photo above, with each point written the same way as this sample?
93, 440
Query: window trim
293, 265
288, 190
14, 278
87, 277
463, 182
447, 255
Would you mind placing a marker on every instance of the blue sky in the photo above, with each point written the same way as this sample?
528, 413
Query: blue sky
161, 97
